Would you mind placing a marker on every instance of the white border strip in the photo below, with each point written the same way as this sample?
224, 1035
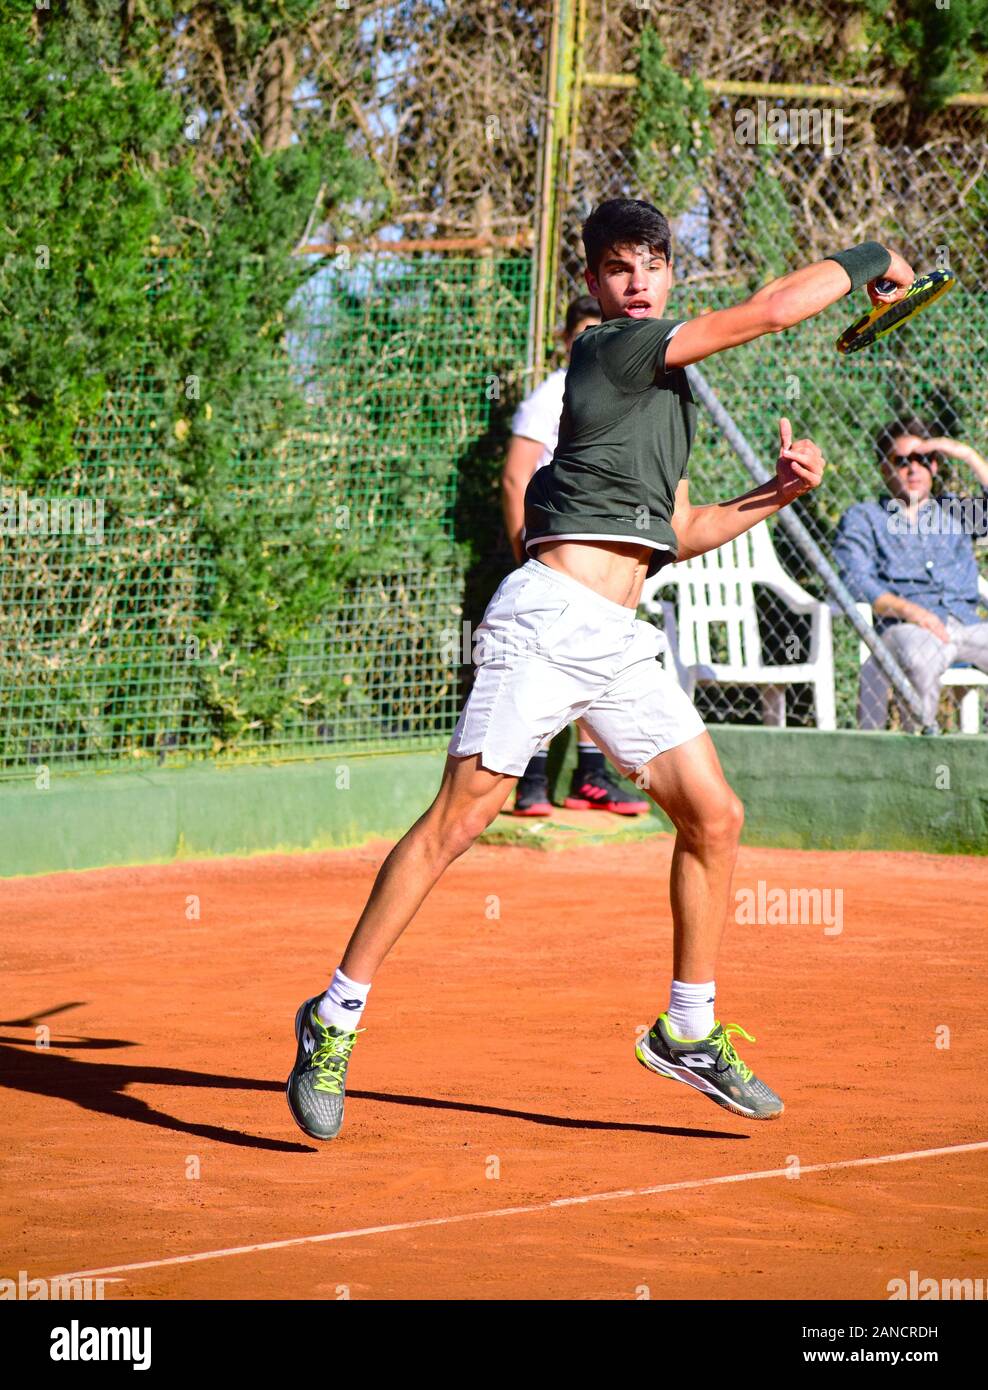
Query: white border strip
618, 1195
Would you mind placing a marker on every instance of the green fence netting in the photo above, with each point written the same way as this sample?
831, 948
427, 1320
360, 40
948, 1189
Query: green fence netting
105, 659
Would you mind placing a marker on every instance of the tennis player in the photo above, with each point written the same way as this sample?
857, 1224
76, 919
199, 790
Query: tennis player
534, 435
560, 641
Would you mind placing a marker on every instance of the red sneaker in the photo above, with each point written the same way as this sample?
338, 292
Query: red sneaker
599, 791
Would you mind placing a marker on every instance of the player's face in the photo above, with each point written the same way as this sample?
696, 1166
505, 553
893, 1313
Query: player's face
631, 282
909, 470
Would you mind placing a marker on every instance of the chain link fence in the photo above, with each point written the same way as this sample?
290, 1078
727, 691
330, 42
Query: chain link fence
106, 591
408, 363
772, 193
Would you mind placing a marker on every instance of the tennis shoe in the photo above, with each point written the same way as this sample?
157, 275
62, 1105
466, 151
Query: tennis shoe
600, 791
710, 1065
532, 797
317, 1081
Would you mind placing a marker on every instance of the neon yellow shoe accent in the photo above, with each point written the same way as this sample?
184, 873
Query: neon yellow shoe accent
729, 1053
334, 1048
725, 1047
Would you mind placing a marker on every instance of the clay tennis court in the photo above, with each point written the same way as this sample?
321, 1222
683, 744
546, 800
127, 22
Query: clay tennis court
496, 1075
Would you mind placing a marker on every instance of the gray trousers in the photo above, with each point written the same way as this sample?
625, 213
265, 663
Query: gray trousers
924, 658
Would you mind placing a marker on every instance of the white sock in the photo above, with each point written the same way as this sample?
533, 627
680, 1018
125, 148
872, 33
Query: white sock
343, 1003
691, 1010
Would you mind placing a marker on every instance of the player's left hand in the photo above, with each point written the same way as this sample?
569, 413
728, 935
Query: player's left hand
800, 466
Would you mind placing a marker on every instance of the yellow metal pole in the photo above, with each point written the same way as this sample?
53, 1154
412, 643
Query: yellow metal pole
574, 110
718, 87
543, 241
562, 93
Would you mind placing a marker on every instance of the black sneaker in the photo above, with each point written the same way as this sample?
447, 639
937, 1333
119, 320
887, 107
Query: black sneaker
532, 797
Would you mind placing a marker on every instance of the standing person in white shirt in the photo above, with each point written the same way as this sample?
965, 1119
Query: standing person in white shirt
534, 432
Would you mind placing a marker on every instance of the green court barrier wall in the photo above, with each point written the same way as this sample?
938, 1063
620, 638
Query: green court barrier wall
801, 788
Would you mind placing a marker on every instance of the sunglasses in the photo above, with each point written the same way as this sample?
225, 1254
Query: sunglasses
904, 460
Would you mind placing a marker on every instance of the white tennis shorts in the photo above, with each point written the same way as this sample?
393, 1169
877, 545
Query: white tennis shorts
550, 650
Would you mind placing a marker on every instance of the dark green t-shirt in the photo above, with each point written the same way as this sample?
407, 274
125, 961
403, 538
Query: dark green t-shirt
625, 435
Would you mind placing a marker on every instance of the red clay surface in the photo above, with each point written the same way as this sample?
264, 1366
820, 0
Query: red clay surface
494, 1044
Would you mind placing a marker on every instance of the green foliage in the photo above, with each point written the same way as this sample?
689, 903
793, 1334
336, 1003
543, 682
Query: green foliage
766, 241
222, 324
937, 51
124, 277
670, 141
250, 28
79, 208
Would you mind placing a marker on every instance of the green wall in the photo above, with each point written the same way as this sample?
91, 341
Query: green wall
801, 788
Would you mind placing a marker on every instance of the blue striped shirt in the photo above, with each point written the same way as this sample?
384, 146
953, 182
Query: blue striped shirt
928, 559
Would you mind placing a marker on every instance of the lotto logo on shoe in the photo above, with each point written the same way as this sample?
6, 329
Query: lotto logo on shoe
696, 1059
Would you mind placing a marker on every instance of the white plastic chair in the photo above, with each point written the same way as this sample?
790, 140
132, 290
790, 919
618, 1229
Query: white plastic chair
959, 676
718, 588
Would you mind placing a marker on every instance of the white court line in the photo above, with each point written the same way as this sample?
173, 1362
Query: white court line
521, 1211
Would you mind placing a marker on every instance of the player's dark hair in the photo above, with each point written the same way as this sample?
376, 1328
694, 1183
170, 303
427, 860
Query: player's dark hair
625, 222
583, 307
895, 429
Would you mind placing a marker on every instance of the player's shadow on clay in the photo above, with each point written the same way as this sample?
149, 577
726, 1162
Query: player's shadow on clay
102, 1086
562, 1121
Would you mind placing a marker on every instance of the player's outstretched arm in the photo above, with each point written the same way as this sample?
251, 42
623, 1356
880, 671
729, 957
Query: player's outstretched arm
783, 303
698, 529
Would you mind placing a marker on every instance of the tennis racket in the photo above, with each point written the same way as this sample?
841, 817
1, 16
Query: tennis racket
885, 317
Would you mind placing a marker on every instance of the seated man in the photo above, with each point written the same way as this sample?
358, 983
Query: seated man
910, 555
